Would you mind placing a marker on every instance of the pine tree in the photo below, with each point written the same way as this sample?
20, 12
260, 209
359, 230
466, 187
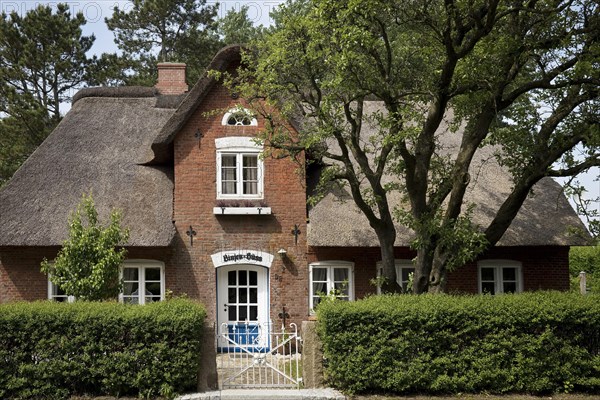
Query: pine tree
153, 31
42, 61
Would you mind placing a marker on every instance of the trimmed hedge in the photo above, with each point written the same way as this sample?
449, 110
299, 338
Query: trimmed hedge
535, 343
54, 350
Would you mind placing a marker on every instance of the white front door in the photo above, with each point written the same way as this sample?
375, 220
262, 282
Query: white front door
243, 306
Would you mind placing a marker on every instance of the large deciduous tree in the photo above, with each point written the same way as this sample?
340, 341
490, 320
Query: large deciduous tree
42, 60
522, 75
151, 31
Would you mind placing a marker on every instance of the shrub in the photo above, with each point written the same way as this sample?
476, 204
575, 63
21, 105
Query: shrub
585, 258
87, 265
534, 342
53, 350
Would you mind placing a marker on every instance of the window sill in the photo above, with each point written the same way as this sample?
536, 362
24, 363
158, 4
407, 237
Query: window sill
242, 210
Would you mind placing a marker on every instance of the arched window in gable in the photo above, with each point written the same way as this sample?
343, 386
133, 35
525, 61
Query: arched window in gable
239, 117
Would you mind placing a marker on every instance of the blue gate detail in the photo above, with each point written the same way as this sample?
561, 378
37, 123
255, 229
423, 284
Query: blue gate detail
247, 336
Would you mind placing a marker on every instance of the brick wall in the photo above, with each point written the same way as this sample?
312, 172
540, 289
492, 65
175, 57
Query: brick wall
543, 267
365, 263
195, 196
21, 279
20, 276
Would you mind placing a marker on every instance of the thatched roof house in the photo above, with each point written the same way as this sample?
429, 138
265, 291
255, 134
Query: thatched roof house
204, 209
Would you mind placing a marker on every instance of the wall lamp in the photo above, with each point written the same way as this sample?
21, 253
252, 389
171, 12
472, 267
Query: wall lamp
282, 253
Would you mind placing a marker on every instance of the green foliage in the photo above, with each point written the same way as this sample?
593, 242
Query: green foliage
42, 59
20, 135
236, 28
54, 350
164, 30
535, 343
524, 79
587, 208
587, 259
87, 266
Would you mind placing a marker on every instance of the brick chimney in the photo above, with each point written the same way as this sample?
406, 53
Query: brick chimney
171, 78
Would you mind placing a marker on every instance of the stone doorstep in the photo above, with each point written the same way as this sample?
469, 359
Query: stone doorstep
266, 394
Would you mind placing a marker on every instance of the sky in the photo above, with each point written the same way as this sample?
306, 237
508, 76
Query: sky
96, 10
258, 11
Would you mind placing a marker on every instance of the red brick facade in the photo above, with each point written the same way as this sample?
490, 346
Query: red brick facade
21, 279
543, 267
20, 276
196, 196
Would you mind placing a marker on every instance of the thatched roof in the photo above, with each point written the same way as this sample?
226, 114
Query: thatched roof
121, 91
101, 147
113, 141
546, 217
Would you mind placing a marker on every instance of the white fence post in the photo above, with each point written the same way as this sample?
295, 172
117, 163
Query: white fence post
582, 283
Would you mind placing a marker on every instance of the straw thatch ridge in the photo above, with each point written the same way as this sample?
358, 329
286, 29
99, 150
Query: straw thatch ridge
120, 91
97, 148
193, 99
169, 100
546, 218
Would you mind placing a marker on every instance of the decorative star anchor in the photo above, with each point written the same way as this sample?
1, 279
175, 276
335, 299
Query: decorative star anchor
296, 232
191, 233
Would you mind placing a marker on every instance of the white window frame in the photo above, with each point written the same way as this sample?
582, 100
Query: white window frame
401, 265
498, 265
52, 289
331, 266
239, 146
239, 110
142, 265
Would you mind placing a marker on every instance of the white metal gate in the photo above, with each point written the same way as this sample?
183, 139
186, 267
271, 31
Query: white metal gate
258, 356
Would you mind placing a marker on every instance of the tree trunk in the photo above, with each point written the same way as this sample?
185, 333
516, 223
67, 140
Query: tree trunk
387, 237
423, 268
438, 278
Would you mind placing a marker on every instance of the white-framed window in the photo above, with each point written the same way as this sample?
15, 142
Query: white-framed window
239, 117
499, 276
143, 282
57, 294
331, 278
403, 270
239, 168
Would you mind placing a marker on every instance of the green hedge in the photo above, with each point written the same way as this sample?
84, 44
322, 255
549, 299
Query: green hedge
533, 343
53, 350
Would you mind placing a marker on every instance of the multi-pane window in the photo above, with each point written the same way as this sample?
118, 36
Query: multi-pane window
57, 294
229, 174
242, 295
239, 168
142, 283
239, 117
499, 277
240, 175
250, 174
404, 269
330, 279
